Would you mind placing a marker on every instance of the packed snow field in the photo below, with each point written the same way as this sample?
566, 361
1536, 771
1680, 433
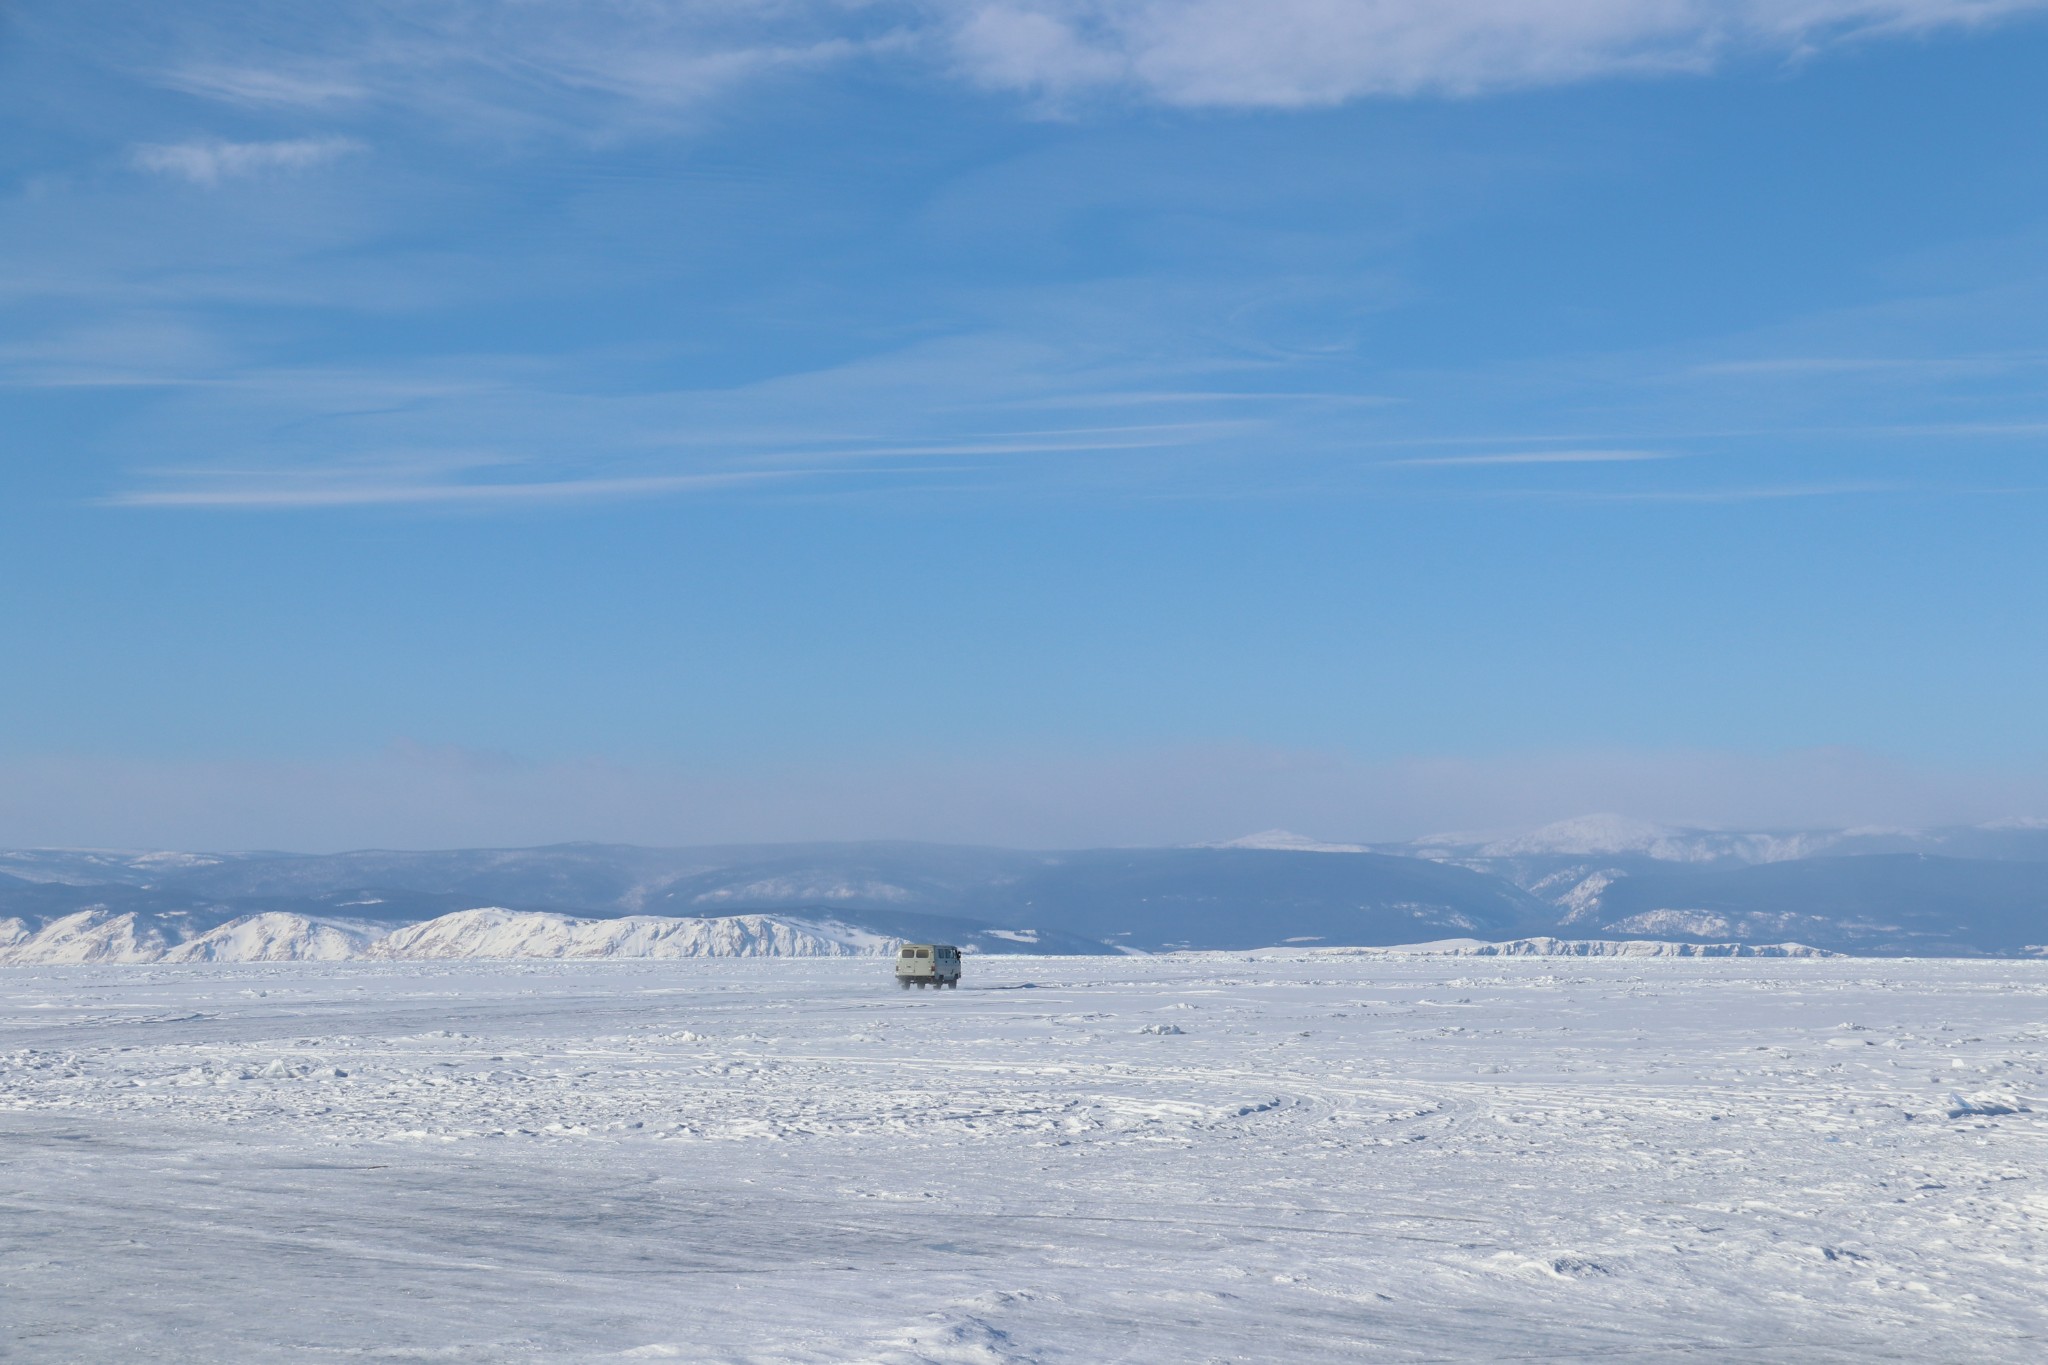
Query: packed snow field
1203, 1157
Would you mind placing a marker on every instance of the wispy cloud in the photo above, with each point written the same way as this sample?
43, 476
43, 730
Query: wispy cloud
585, 66
261, 87
338, 486
273, 495
1293, 53
1138, 438
1184, 397
211, 161
1523, 457
1799, 367
1754, 493
590, 63
551, 445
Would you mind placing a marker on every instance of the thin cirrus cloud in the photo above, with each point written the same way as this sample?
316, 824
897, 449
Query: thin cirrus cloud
210, 161
1301, 53
478, 481
226, 490
576, 66
575, 62
255, 85
286, 496
1526, 457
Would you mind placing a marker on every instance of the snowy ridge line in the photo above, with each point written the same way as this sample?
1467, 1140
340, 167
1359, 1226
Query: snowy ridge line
495, 934
489, 933
1562, 947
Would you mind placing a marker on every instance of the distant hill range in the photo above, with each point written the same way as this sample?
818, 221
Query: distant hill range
1961, 891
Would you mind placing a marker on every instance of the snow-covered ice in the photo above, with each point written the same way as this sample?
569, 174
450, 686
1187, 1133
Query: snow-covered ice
1318, 1157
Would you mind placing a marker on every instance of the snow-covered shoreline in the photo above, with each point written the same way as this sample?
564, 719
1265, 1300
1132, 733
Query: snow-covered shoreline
495, 934
486, 933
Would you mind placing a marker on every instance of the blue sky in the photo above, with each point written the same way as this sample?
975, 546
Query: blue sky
1046, 421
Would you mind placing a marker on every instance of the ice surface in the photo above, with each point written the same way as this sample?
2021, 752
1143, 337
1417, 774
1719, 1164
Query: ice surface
1210, 1157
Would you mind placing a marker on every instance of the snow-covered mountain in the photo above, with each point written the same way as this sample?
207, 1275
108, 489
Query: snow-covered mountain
1957, 890
99, 936
278, 937
87, 936
495, 933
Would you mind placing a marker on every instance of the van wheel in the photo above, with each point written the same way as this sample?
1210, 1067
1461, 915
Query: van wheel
904, 983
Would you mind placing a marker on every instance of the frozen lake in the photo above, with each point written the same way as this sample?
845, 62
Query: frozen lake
1086, 1160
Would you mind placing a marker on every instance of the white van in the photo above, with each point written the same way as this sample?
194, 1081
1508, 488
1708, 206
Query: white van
928, 964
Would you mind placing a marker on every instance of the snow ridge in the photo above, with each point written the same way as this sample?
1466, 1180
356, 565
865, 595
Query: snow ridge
496, 933
279, 937
1555, 947
84, 936
99, 936
1567, 947
1559, 947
